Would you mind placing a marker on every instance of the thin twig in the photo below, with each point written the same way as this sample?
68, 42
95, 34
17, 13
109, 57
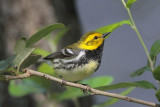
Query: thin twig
134, 27
29, 72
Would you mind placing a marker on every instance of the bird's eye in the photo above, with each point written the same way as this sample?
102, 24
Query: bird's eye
95, 37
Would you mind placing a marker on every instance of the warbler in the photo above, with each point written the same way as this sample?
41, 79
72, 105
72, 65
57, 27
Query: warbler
81, 59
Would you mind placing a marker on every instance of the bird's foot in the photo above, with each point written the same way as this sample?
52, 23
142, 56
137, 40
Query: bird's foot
87, 89
63, 81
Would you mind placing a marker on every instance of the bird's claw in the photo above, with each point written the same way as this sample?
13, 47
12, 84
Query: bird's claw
87, 89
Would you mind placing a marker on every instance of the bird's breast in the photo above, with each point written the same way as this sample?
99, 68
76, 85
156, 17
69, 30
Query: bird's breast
78, 72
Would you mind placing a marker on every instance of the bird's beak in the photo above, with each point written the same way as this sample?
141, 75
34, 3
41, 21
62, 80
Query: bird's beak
105, 34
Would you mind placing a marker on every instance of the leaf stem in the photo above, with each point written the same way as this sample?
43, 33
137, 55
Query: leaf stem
134, 27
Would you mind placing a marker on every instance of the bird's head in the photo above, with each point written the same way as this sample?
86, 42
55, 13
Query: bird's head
92, 40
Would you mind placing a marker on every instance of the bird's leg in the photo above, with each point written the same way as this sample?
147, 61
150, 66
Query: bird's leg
63, 81
87, 89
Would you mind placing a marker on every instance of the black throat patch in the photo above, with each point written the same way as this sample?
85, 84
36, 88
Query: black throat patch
95, 54
92, 55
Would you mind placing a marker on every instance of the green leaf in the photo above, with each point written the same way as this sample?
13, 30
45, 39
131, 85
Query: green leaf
141, 84
98, 81
72, 92
114, 100
155, 49
31, 59
157, 94
45, 68
140, 71
129, 3
23, 87
112, 27
6, 63
43, 32
156, 73
44, 83
32, 84
22, 52
145, 85
41, 52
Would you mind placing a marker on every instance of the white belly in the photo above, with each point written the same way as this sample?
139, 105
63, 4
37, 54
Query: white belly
78, 73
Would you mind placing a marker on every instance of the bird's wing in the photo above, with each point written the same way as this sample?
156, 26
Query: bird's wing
64, 53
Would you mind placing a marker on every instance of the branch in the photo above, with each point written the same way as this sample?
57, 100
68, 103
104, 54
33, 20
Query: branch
29, 72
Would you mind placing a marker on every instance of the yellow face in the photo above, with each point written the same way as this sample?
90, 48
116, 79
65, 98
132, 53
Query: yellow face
91, 41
